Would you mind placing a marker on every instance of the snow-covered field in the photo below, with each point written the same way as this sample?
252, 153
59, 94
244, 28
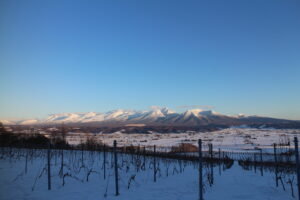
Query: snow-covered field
175, 180
232, 139
84, 178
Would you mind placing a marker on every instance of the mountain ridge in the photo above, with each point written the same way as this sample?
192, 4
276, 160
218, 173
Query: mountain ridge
155, 116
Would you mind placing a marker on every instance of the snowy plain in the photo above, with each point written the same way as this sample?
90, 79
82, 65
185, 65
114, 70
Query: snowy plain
234, 183
231, 139
85, 178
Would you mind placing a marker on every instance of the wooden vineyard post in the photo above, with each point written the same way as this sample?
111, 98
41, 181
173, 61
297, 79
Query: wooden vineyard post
211, 150
138, 161
62, 162
223, 164
154, 164
275, 156
116, 168
219, 161
26, 161
180, 165
144, 158
254, 162
82, 155
200, 170
104, 161
261, 160
297, 165
49, 167
211, 163
276, 167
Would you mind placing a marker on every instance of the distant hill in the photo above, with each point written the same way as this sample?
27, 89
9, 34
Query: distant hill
157, 117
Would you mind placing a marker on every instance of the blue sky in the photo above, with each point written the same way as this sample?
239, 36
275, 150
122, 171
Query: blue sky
78, 56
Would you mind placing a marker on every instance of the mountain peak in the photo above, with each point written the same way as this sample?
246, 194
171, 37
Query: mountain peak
195, 112
167, 111
155, 116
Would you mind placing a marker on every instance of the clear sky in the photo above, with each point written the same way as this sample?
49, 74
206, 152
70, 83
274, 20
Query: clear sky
238, 56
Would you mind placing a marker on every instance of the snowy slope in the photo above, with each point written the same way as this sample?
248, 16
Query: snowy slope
7, 122
230, 183
155, 116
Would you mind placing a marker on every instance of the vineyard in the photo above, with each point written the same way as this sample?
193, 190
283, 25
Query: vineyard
144, 173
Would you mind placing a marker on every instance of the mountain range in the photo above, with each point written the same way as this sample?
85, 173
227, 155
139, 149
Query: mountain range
155, 116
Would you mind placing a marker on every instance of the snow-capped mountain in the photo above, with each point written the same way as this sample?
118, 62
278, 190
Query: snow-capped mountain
7, 122
155, 116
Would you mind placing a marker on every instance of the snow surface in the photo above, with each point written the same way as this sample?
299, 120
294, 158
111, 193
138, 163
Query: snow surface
231, 139
233, 184
28, 122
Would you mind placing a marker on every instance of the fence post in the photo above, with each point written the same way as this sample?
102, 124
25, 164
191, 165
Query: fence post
297, 165
180, 166
276, 168
261, 160
82, 155
26, 161
144, 158
154, 164
104, 161
211, 150
62, 162
275, 156
116, 168
200, 170
49, 168
138, 161
219, 161
254, 162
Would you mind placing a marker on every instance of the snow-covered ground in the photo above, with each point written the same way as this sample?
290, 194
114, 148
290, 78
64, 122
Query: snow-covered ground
175, 179
231, 139
233, 184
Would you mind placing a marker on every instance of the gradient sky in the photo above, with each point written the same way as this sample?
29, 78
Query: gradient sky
238, 56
